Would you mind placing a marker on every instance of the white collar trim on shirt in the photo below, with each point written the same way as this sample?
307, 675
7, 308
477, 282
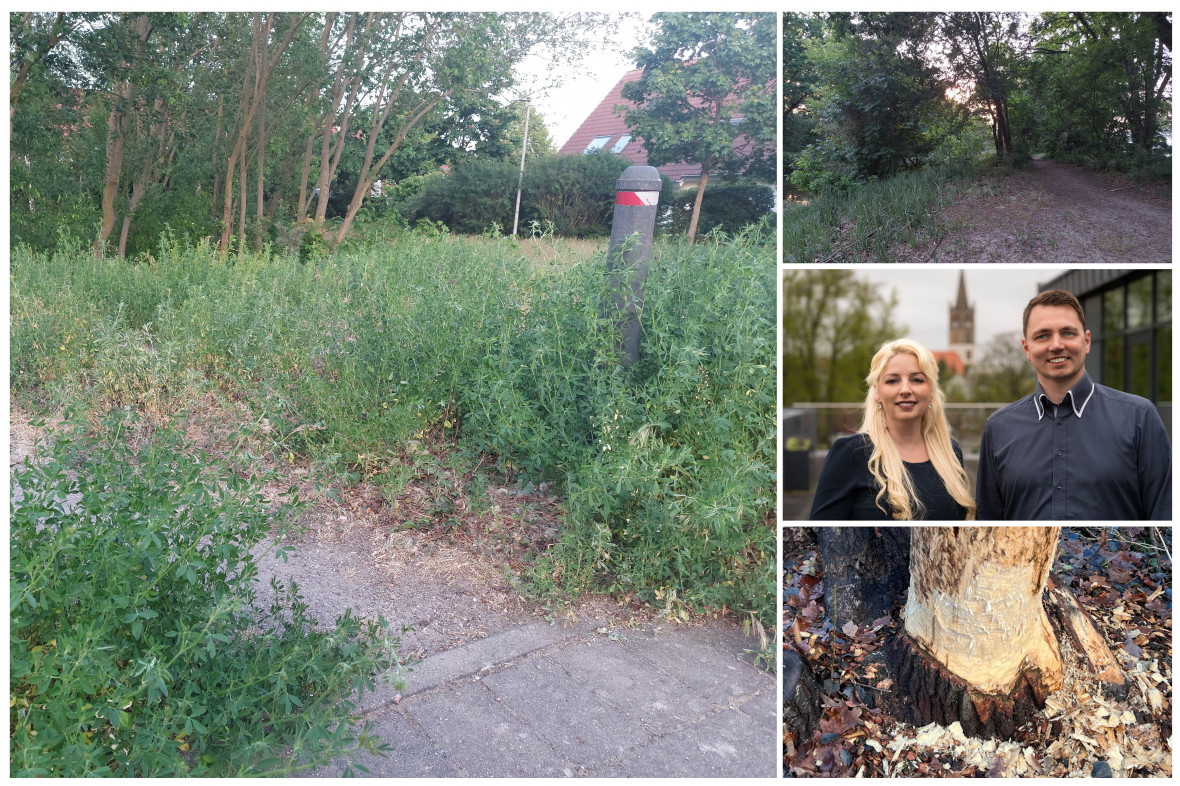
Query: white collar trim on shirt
1073, 399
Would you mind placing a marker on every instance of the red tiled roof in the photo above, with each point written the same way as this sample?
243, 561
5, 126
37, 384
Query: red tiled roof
603, 121
952, 361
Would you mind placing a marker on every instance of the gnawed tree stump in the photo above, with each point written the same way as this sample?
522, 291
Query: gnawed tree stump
977, 646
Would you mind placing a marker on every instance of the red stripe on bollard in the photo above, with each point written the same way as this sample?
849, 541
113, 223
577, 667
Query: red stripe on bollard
637, 198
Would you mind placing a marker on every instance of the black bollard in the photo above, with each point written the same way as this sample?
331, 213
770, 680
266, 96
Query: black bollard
637, 193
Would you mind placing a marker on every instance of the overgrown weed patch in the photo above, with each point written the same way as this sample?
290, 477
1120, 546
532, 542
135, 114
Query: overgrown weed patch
666, 469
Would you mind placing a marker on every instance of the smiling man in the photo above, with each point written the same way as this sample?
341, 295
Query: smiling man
1073, 450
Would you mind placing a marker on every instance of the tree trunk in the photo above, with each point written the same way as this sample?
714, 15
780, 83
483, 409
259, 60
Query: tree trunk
977, 646
801, 701
865, 569
260, 68
696, 206
117, 141
259, 203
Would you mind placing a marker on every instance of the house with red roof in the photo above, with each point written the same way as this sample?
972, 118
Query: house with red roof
952, 361
606, 129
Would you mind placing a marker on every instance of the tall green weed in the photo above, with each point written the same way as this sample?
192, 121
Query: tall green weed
667, 465
139, 643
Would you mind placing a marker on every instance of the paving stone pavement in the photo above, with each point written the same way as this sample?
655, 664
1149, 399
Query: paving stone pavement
553, 701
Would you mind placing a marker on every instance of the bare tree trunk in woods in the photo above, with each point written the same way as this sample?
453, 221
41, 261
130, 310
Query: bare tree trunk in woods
977, 647
116, 143
216, 140
369, 170
261, 69
242, 205
696, 206
258, 207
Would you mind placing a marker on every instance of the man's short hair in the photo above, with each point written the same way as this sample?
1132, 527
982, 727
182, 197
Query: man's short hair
1054, 297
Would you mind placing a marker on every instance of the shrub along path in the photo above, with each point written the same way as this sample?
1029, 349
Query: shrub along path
498, 685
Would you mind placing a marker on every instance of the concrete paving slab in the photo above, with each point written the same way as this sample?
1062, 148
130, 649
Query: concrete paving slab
482, 737
763, 707
558, 701
473, 658
582, 727
617, 676
715, 674
727, 744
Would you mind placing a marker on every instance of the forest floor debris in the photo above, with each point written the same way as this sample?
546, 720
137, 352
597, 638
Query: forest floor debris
1120, 575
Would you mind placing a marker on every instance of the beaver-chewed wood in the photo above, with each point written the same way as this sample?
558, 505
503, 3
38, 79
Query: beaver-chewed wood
925, 692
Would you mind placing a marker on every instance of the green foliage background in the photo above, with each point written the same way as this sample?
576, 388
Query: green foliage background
573, 195
139, 645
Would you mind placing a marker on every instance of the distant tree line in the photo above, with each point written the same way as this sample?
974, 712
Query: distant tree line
229, 124
869, 94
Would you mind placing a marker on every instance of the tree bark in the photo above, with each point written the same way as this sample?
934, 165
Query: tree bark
261, 69
977, 646
801, 701
117, 141
696, 206
865, 569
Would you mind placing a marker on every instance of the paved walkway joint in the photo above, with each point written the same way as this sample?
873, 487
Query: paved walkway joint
552, 701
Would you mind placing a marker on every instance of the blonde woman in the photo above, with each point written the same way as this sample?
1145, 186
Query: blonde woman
902, 464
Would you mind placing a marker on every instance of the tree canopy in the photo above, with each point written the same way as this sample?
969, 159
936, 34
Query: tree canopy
885, 92
222, 124
707, 95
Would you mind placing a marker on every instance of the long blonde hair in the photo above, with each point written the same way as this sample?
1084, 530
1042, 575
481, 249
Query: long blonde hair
885, 463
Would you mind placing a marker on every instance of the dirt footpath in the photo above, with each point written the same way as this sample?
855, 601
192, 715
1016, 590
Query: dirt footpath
1054, 213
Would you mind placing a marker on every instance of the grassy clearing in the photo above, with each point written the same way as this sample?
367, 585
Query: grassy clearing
666, 468
863, 224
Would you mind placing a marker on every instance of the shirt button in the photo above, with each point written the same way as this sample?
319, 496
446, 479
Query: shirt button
1059, 453
1058, 485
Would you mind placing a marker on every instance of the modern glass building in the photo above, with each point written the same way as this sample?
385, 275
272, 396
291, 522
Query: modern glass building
1129, 315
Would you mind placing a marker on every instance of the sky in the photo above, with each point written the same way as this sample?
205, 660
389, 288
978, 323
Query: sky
565, 107
925, 294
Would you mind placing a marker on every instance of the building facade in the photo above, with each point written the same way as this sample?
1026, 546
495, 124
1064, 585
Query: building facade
1129, 316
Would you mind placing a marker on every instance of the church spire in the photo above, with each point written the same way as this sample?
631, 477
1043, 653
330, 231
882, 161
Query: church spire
962, 321
961, 302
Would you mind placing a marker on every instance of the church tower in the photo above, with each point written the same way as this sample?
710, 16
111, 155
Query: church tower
963, 325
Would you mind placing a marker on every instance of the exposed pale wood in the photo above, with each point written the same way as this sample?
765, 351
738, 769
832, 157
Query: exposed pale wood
977, 647
975, 603
1086, 638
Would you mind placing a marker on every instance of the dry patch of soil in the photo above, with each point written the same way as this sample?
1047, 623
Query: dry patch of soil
1053, 213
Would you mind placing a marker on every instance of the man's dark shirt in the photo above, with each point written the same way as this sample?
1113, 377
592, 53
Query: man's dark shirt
1101, 455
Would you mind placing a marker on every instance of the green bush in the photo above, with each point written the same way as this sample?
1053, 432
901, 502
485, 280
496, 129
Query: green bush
732, 207
575, 194
669, 465
139, 645
843, 226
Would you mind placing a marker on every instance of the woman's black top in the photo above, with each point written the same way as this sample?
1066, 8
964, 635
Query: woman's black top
847, 491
